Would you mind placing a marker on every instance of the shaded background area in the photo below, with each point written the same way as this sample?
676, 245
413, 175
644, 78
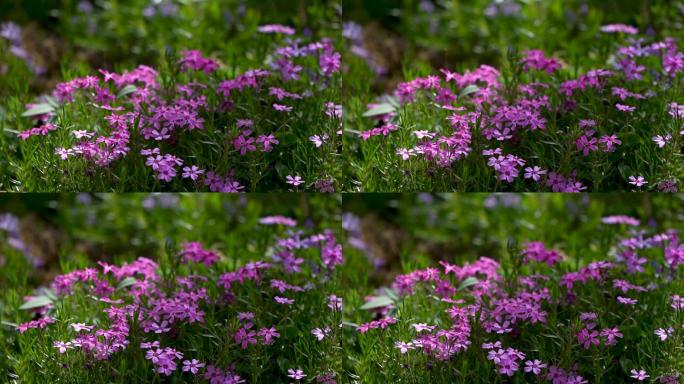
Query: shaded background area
388, 38
393, 233
74, 35
39, 233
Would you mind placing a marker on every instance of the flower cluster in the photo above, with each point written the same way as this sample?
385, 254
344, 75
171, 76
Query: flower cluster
135, 112
485, 302
444, 117
157, 308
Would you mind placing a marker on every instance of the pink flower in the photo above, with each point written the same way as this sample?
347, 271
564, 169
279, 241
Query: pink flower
282, 108
619, 28
611, 335
268, 334
637, 181
320, 333
403, 347
294, 180
276, 28
295, 374
625, 108
283, 300
639, 375
62, 346
626, 300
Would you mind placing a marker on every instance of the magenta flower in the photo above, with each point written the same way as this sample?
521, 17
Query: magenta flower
244, 337
610, 142
267, 142
268, 334
587, 338
192, 366
611, 335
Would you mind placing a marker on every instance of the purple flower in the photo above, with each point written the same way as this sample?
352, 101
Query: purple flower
637, 181
276, 28
625, 108
619, 28
534, 366
282, 108
192, 366
626, 300
283, 300
268, 334
192, 172
403, 347
639, 375
611, 335
295, 374
535, 173
294, 180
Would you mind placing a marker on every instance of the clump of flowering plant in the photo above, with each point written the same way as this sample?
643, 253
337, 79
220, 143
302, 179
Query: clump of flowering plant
543, 312
536, 123
196, 314
196, 123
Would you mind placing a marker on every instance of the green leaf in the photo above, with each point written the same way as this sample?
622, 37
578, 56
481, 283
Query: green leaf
36, 302
127, 90
39, 109
625, 171
378, 302
391, 294
127, 282
469, 89
467, 283
380, 109
282, 170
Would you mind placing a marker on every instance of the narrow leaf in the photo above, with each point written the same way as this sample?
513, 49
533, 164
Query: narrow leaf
469, 89
127, 90
467, 283
127, 282
36, 302
39, 109
377, 302
380, 109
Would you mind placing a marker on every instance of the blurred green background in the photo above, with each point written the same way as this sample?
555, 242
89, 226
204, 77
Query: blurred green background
70, 231
416, 35
402, 232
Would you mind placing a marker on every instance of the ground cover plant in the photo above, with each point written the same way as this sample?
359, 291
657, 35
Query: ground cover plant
515, 289
592, 105
253, 105
224, 293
